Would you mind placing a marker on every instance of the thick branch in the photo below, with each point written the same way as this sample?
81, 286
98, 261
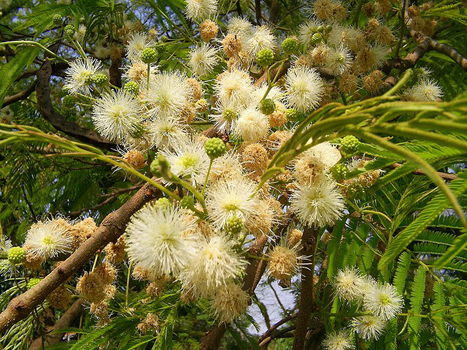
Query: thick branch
56, 119
306, 292
111, 228
22, 95
65, 321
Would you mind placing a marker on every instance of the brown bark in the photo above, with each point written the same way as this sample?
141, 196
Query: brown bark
66, 320
111, 228
20, 95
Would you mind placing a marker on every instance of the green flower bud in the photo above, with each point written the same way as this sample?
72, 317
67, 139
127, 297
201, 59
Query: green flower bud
155, 168
267, 106
340, 171
16, 255
69, 101
70, 30
132, 88
328, 28
316, 38
320, 29
187, 202
32, 282
265, 57
234, 225
100, 79
290, 45
229, 115
57, 19
354, 190
215, 147
349, 145
149, 55
162, 203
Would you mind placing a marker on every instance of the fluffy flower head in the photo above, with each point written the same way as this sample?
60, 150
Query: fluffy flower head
368, 327
234, 89
156, 240
252, 125
426, 91
229, 303
79, 73
117, 115
203, 59
199, 10
136, 45
350, 285
383, 301
49, 238
304, 88
338, 341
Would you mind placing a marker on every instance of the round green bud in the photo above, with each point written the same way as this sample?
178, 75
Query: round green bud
57, 19
215, 147
16, 255
132, 88
234, 225
265, 57
162, 203
187, 202
82, 20
328, 28
349, 145
69, 101
164, 38
316, 38
267, 106
32, 282
229, 115
155, 168
320, 29
70, 30
292, 114
100, 79
149, 55
290, 45
339, 171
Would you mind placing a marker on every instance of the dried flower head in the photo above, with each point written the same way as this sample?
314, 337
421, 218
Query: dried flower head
229, 303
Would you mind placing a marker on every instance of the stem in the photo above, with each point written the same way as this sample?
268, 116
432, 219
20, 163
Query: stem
401, 33
34, 43
357, 12
128, 284
207, 176
399, 84
149, 72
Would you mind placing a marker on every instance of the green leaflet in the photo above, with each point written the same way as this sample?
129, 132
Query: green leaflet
416, 302
434, 208
458, 246
12, 70
401, 272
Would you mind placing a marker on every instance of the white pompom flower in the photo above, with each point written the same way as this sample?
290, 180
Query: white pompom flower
350, 285
79, 73
214, 264
166, 132
338, 60
383, 301
234, 198
239, 27
252, 125
262, 38
157, 241
168, 94
304, 88
339, 340
137, 44
188, 159
425, 91
368, 327
199, 10
234, 89
117, 115
48, 239
319, 204
229, 303
203, 59
307, 30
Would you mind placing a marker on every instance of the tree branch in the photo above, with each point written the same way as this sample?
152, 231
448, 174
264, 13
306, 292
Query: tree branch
56, 119
20, 95
111, 228
65, 321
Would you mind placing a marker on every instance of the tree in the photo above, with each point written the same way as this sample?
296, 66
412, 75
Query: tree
160, 159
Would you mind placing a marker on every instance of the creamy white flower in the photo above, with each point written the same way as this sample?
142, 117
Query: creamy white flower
156, 240
188, 159
138, 71
166, 132
168, 94
274, 94
79, 73
48, 239
339, 340
235, 89
199, 10
319, 204
351, 37
101, 51
262, 38
203, 59
252, 125
304, 88
226, 199
229, 303
240, 27
338, 60
327, 153
214, 264
226, 168
368, 327
80, 33
426, 91
136, 45
117, 115
383, 301
350, 285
